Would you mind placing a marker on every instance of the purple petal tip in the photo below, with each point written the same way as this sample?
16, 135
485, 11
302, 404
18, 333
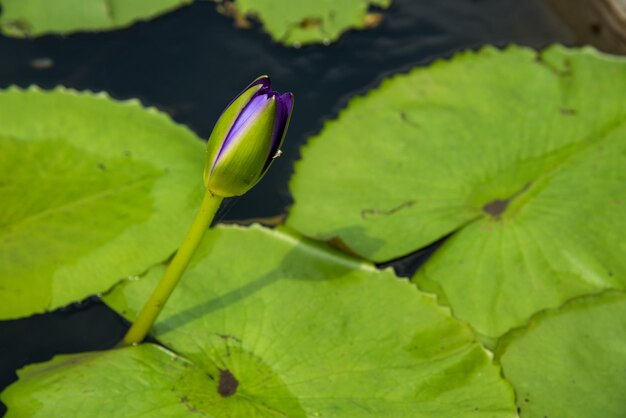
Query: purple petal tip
264, 81
284, 106
286, 101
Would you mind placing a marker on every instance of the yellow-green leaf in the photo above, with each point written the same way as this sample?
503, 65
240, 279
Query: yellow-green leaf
28, 18
92, 191
267, 324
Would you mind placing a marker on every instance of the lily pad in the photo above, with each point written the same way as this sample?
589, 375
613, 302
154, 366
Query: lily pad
520, 155
571, 362
303, 22
92, 191
27, 18
271, 325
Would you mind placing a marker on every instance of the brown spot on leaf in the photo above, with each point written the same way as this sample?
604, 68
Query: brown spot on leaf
228, 384
20, 25
566, 71
268, 221
567, 111
229, 9
406, 120
311, 23
373, 212
227, 337
185, 401
372, 20
496, 207
338, 243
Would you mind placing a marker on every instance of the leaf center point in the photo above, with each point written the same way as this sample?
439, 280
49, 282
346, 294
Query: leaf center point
228, 384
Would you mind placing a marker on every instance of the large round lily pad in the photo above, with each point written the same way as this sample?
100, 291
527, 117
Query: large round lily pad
571, 362
92, 191
266, 324
520, 155
27, 18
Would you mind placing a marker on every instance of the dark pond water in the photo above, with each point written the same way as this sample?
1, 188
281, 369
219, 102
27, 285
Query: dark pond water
191, 62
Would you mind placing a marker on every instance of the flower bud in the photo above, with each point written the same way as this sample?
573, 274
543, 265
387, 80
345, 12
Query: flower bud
246, 139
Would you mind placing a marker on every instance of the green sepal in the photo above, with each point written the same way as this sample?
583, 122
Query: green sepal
242, 165
224, 124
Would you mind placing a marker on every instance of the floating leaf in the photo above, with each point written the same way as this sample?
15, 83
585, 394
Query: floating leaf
23, 18
271, 325
92, 191
306, 21
521, 155
571, 362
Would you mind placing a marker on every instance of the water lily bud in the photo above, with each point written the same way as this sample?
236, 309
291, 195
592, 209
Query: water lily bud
246, 139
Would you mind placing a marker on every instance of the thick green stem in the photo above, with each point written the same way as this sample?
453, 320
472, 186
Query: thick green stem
174, 272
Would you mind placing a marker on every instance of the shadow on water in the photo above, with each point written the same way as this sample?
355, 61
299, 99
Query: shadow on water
191, 62
85, 326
